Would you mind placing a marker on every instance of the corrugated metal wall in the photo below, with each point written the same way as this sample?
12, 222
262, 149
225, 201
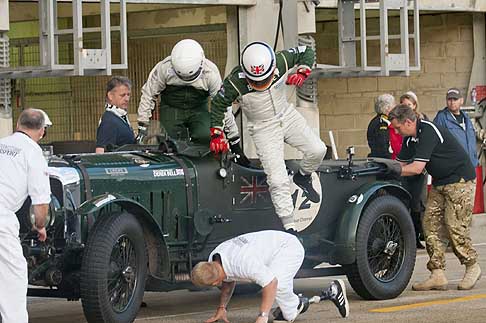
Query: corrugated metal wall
75, 104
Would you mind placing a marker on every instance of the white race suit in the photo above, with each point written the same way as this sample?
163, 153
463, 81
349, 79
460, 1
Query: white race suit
273, 121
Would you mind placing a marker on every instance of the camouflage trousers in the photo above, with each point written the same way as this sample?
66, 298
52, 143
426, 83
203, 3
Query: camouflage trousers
447, 219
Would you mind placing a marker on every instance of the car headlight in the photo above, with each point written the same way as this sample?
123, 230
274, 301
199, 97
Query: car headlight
54, 208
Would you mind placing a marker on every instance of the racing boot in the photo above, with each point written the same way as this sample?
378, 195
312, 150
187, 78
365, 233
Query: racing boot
301, 308
336, 292
305, 183
239, 157
436, 281
472, 275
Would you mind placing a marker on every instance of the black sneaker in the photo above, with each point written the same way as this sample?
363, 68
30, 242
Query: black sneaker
337, 294
305, 183
301, 308
303, 304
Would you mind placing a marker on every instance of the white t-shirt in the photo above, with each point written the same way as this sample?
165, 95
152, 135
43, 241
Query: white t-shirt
23, 173
248, 257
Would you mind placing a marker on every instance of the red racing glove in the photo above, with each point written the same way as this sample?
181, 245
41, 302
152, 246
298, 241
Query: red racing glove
299, 77
218, 143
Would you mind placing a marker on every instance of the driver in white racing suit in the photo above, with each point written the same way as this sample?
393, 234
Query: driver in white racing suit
184, 81
258, 84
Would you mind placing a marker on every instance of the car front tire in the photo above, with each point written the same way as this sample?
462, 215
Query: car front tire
114, 269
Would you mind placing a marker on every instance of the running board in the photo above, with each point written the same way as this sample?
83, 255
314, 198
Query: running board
320, 272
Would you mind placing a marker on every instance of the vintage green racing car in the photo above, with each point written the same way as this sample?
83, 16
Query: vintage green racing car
138, 220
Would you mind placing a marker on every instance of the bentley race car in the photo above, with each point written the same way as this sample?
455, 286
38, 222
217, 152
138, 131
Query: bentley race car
138, 220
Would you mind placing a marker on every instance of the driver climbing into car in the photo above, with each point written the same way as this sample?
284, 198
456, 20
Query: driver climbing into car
258, 84
184, 81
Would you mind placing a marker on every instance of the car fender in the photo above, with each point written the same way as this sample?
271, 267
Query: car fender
156, 245
345, 238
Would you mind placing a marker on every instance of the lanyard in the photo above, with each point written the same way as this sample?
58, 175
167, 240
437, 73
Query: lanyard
20, 131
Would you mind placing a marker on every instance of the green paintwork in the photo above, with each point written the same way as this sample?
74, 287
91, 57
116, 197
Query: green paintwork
148, 181
345, 239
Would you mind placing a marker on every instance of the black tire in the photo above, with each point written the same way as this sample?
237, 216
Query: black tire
382, 269
116, 249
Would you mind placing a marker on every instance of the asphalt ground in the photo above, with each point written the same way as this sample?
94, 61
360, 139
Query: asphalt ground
195, 307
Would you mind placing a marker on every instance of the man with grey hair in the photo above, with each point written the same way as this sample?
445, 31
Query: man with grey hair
24, 173
384, 142
448, 213
114, 129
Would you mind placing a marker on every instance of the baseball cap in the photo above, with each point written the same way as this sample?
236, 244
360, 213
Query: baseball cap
453, 93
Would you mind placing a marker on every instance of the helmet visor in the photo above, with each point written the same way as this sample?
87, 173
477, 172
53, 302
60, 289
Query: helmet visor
261, 85
191, 77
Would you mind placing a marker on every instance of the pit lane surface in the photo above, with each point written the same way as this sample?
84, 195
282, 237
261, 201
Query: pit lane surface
195, 307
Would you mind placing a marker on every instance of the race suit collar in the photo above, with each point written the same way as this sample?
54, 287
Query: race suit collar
116, 110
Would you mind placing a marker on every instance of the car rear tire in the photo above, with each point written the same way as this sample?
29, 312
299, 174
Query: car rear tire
114, 269
385, 250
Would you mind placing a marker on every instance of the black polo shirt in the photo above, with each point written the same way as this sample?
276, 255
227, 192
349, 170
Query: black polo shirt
113, 131
447, 162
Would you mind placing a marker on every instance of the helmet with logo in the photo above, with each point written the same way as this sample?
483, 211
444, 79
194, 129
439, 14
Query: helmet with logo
258, 65
187, 60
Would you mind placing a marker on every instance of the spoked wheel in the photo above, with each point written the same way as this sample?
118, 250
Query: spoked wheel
122, 278
385, 250
114, 269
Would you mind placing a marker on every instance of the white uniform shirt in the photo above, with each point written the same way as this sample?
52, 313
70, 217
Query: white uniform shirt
23, 173
249, 256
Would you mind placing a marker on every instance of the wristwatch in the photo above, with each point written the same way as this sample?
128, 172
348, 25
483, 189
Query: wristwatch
262, 314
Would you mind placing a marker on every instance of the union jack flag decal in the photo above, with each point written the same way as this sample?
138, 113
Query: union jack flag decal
257, 70
254, 189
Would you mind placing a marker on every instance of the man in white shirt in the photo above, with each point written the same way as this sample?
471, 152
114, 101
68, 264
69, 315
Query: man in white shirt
270, 259
24, 173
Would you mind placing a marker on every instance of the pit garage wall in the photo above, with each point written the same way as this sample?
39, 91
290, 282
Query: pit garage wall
75, 104
346, 105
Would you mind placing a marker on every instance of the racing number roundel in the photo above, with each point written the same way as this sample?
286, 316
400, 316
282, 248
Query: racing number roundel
305, 211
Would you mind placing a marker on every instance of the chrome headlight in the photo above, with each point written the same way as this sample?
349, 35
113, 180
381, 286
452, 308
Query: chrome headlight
54, 210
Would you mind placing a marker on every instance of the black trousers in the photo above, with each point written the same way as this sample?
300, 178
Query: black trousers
417, 187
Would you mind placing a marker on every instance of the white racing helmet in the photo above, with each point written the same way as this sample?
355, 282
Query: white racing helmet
187, 60
258, 64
